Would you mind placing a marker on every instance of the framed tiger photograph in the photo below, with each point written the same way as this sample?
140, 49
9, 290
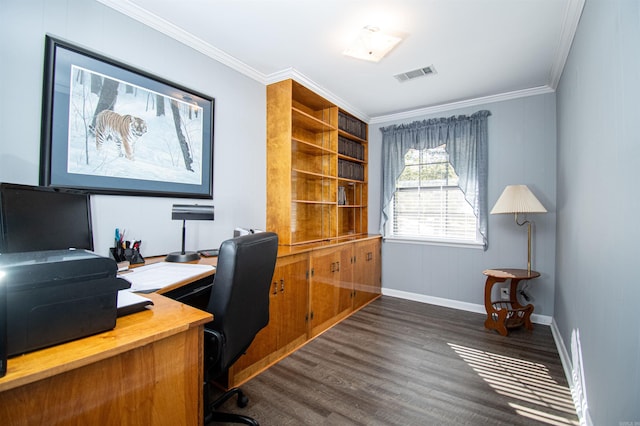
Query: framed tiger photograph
112, 129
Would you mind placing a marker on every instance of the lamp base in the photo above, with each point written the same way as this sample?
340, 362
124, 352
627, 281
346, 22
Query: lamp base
180, 257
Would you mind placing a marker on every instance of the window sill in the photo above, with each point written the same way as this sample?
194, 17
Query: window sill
404, 240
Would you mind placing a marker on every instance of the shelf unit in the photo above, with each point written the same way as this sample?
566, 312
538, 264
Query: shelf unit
352, 174
317, 167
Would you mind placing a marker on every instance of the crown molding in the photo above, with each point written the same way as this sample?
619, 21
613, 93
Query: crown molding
292, 73
569, 27
461, 104
149, 19
145, 17
571, 20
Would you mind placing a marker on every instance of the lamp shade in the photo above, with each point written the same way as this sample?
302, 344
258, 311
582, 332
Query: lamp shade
191, 212
518, 199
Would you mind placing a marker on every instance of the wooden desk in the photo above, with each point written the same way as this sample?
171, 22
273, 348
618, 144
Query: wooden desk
146, 371
505, 314
194, 291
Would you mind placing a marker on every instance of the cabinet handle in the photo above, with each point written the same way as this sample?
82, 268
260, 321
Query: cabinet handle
369, 256
333, 267
338, 266
282, 285
275, 288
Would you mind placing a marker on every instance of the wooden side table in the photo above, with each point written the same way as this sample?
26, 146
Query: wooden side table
505, 314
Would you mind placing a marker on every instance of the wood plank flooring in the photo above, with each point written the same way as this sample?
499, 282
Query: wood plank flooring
398, 362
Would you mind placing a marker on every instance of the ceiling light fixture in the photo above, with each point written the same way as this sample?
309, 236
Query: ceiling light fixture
371, 44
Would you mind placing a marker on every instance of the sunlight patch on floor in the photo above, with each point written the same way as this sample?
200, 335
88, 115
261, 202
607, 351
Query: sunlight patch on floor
536, 395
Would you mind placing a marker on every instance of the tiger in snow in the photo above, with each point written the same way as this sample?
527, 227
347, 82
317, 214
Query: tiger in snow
122, 129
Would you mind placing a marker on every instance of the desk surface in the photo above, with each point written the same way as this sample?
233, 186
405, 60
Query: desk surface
213, 261
165, 318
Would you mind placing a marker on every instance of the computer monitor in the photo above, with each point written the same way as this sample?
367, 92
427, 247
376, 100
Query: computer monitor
34, 218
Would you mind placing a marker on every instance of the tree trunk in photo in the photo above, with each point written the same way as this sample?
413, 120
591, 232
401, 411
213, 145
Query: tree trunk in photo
96, 83
107, 99
159, 105
186, 154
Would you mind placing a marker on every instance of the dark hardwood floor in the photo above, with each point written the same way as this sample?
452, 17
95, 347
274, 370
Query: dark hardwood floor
398, 362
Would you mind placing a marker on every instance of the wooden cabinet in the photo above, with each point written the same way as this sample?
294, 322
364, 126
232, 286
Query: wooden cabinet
316, 167
313, 288
367, 279
291, 295
287, 328
343, 279
317, 204
330, 287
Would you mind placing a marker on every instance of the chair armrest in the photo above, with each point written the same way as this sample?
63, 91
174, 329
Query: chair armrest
213, 343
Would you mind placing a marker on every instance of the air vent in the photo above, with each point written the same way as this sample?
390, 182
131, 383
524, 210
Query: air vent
420, 72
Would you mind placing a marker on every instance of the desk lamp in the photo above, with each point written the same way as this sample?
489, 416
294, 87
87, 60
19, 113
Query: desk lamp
519, 199
185, 212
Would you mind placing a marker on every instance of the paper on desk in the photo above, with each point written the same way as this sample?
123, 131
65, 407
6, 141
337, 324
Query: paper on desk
127, 298
161, 274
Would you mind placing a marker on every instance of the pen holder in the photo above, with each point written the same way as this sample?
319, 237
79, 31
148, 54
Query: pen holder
132, 255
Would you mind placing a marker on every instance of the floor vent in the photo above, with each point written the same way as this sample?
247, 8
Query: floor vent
420, 72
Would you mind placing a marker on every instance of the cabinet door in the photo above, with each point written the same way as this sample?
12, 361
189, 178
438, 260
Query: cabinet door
345, 281
266, 341
293, 303
367, 272
324, 290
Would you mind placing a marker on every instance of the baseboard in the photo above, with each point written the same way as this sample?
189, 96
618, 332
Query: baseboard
577, 389
565, 359
455, 304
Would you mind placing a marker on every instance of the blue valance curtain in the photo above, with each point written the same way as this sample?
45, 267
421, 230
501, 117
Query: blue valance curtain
466, 143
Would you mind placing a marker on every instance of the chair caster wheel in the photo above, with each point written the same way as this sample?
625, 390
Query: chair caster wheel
242, 401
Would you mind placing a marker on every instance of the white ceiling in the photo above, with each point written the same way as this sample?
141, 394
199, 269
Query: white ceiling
481, 50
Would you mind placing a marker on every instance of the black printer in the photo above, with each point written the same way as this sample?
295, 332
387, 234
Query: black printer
57, 295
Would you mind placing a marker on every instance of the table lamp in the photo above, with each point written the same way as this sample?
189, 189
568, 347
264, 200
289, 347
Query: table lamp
186, 212
519, 199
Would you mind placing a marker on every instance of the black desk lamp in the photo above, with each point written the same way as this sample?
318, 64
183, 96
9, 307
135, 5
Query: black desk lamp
185, 212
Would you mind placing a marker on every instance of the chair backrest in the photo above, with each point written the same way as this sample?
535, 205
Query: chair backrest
239, 298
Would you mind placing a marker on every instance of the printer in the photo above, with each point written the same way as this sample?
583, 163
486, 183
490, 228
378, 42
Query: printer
56, 296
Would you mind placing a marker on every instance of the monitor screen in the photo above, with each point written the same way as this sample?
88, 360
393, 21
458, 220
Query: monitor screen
34, 218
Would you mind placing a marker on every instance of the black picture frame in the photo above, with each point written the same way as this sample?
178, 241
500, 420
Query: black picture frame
155, 138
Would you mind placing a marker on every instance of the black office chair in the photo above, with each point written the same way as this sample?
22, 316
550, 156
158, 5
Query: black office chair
239, 303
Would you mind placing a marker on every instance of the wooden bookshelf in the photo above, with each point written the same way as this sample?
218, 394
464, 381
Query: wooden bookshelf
316, 167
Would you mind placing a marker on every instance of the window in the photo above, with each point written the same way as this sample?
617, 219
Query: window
466, 140
428, 203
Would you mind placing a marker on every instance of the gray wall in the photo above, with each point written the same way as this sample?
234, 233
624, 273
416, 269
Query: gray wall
522, 144
240, 117
597, 291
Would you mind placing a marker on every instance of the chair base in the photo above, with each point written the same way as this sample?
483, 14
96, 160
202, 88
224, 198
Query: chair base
212, 415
